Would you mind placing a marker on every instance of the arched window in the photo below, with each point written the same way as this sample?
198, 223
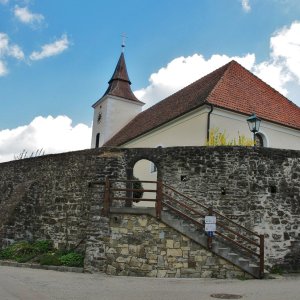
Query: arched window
97, 140
259, 141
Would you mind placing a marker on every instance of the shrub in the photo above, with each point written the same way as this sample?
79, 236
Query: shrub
138, 186
50, 259
24, 258
23, 251
6, 253
40, 251
42, 246
72, 259
217, 138
276, 270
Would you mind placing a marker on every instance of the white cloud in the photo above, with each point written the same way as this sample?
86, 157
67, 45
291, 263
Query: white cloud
282, 68
4, 1
52, 49
53, 135
24, 15
3, 70
246, 5
8, 50
285, 45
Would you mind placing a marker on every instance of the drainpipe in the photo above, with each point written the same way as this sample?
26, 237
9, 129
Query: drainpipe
208, 121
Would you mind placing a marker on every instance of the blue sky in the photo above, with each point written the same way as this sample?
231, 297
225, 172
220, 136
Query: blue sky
56, 57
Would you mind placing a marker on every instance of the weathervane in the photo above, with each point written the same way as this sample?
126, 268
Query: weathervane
123, 41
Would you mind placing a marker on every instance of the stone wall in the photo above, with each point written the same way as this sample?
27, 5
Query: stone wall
258, 188
60, 196
139, 245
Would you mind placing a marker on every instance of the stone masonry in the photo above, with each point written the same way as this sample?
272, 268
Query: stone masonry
139, 245
60, 197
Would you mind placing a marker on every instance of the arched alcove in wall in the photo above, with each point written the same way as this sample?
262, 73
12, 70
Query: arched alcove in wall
261, 140
146, 170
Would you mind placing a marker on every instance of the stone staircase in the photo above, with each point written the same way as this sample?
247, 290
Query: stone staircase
219, 247
232, 241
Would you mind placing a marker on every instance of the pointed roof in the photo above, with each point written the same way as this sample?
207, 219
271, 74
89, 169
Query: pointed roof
230, 87
119, 84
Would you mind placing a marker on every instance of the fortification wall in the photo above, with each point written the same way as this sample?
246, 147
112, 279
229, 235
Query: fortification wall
59, 196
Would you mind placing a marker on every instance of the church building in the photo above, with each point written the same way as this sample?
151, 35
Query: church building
222, 100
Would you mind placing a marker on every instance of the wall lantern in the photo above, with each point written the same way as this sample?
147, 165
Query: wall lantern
254, 124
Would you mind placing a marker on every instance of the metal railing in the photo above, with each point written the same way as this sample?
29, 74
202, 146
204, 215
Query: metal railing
167, 198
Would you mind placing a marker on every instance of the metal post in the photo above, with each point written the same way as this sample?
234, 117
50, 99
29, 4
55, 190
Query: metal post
261, 255
209, 238
159, 194
106, 203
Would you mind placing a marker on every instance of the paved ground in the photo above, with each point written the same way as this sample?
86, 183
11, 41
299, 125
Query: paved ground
31, 284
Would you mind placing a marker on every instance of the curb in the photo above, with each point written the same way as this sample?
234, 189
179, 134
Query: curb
38, 266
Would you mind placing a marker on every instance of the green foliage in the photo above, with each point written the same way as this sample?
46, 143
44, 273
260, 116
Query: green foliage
217, 138
42, 252
72, 259
49, 259
6, 253
24, 258
42, 246
138, 186
276, 270
23, 251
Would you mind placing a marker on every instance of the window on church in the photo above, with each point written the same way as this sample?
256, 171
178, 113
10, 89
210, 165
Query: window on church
97, 140
259, 142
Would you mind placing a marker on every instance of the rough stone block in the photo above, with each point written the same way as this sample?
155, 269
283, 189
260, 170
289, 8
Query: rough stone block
174, 252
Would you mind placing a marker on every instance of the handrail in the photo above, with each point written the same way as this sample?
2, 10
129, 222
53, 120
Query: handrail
183, 209
186, 197
219, 223
184, 205
184, 215
207, 208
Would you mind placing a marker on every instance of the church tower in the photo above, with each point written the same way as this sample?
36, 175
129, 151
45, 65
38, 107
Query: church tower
116, 107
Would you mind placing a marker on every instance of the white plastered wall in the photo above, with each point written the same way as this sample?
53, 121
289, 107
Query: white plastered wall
188, 130
274, 136
191, 129
116, 113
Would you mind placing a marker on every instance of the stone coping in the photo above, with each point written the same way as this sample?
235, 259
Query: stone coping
38, 266
133, 210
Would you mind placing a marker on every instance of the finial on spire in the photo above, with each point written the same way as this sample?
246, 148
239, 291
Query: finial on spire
123, 41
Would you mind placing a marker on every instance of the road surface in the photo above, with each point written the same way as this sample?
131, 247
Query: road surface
32, 284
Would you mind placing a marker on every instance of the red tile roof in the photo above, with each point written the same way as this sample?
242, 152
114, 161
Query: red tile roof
230, 87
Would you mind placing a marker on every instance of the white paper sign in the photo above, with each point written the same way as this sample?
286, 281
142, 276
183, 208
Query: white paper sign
210, 227
210, 220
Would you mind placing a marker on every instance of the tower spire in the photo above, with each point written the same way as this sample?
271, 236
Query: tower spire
119, 84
